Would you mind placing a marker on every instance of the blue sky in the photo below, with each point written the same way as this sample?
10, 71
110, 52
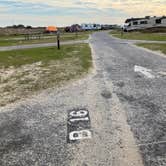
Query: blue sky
66, 12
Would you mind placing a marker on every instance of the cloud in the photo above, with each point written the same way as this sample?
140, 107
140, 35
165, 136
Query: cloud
76, 11
53, 3
45, 9
3, 9
55, 20
141, 7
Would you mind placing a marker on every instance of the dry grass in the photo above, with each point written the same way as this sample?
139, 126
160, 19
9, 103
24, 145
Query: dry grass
160, 47
20, 81
139, 36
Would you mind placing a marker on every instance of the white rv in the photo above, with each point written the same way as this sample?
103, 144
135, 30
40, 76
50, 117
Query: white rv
144, 23
90, 26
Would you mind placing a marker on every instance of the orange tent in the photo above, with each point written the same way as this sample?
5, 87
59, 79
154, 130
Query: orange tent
51, 29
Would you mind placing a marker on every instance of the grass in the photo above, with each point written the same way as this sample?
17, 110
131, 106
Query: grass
17, 58
154, 46
139, 36
12, 41
23, 72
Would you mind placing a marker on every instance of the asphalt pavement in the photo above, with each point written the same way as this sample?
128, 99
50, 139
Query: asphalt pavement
116, 116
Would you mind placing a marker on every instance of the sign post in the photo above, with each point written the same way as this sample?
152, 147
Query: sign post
58, 40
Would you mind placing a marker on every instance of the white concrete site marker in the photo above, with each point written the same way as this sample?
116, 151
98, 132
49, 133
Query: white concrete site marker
144, 71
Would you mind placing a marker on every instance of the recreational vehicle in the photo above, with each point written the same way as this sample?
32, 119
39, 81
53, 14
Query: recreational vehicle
144, 23
90, 26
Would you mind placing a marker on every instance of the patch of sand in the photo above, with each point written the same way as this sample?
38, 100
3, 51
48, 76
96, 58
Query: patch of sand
17, 83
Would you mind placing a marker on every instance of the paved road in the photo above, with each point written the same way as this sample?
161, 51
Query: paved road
20, 47
120, 109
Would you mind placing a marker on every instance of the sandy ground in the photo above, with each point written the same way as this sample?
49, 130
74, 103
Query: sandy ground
18, 83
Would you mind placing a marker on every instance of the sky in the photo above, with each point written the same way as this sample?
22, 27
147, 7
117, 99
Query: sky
67, 12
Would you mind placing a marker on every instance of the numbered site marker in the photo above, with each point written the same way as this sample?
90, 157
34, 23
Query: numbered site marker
78, 135
80, 113
78, 125
79, 119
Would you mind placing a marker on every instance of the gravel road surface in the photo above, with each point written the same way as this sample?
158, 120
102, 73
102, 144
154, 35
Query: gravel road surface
116, 116
142, 93
21, 47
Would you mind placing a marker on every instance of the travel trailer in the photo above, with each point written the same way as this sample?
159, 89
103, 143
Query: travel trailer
90, 26
144, 23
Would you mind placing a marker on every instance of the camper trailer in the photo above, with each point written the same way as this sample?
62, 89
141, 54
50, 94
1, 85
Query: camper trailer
90, 26
144, 23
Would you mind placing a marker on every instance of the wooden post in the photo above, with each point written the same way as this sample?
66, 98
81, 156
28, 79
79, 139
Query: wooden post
58, 40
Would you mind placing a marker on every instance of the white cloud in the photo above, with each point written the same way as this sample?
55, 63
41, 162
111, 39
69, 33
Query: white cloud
3, 9
141, 7
53, 3
130, 8
7, 19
